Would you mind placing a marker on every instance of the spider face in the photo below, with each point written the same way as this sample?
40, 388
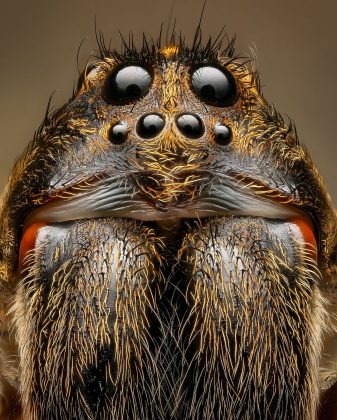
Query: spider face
172, 135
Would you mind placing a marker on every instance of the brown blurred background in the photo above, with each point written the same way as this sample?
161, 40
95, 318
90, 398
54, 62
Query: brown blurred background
296, 42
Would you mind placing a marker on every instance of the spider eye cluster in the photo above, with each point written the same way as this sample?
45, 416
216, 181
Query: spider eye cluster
214, 86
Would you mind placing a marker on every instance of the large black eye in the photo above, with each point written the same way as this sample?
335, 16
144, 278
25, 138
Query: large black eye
214, 86
126, 85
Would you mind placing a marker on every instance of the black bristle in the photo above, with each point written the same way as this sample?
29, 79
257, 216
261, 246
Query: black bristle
198, 52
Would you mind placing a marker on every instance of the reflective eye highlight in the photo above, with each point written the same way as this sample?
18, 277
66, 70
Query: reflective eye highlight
126, 85
214, 86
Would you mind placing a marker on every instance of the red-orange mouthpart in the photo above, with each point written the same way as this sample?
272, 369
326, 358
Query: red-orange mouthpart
28, 242
308, 233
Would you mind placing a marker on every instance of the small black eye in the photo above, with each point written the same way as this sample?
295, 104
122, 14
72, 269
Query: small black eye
118, 133
222, 134
150, 125
190, 125
126, 85
214, 86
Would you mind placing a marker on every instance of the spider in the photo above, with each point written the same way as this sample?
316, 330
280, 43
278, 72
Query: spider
167, 249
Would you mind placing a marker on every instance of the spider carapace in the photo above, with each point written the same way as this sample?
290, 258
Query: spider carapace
168, 250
